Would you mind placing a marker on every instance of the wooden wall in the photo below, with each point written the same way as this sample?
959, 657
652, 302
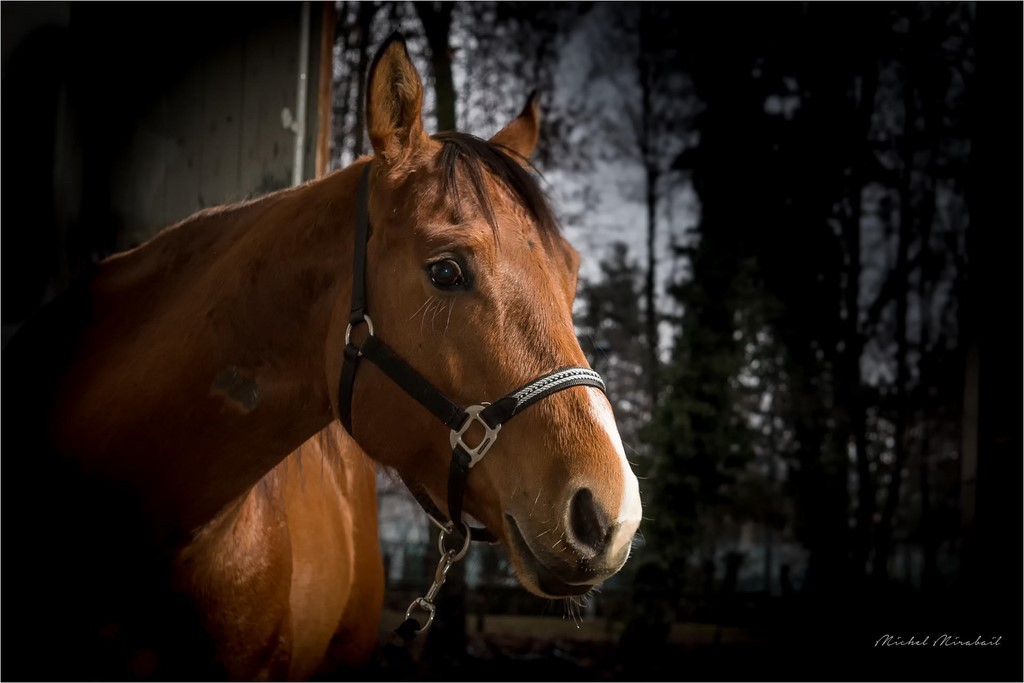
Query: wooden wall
204, 126
123, 118
213, 133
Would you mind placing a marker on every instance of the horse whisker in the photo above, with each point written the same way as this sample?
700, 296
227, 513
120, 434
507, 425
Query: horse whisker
429, 308
422, 306
427, 304
433, 318
574, 609
451, 305
539, 491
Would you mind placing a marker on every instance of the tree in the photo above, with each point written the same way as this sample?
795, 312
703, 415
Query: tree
842, 319
436, 18
610, 329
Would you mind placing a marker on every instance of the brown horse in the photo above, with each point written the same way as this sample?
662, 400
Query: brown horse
179, 497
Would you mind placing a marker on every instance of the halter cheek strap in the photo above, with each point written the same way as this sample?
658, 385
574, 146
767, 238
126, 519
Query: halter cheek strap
489, 417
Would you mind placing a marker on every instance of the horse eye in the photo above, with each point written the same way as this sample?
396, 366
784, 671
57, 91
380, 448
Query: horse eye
446, 274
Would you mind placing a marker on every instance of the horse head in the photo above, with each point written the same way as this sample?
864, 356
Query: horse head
470, 283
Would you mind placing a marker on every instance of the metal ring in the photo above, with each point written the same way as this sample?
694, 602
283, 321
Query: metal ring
369, 326
456, 556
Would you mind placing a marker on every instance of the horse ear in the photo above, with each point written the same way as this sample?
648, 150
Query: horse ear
394, 103
522, 133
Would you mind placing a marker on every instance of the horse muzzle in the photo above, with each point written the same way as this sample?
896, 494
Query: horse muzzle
570, 563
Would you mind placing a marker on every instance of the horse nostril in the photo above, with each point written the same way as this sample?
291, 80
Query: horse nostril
588, 521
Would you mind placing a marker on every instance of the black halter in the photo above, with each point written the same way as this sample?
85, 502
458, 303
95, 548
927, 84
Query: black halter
490, 417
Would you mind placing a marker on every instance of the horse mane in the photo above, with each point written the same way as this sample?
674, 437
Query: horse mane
508, 167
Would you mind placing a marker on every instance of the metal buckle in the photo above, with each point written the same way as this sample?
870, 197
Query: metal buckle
490, 435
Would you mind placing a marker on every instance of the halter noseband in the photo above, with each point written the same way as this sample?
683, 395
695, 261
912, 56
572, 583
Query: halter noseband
491, 417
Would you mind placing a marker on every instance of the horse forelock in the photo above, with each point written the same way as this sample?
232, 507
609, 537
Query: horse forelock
478, 158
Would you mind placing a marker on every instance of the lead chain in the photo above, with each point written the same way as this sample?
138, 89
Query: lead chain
448, 558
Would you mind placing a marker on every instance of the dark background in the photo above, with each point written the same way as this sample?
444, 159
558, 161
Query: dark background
812, 365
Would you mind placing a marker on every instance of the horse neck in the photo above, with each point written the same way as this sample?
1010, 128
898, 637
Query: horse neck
230, 326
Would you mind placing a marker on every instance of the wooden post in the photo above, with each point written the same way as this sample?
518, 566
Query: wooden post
326, 78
